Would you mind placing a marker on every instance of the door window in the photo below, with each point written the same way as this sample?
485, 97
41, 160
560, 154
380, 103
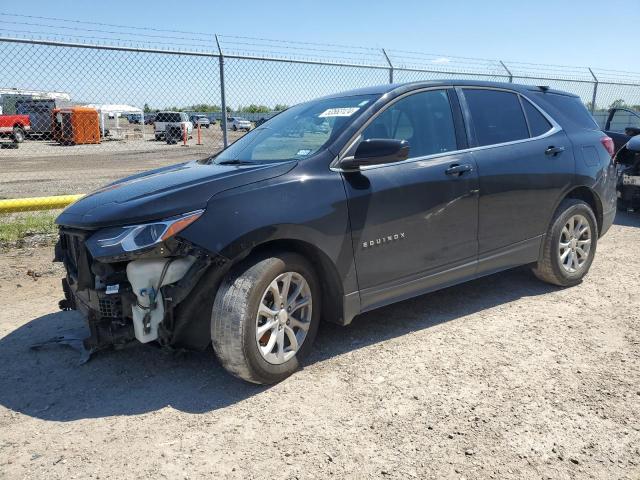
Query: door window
423, 119
497, 116
624, 120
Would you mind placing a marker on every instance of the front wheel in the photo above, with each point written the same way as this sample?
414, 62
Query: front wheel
18, 135
569, 245
265, 317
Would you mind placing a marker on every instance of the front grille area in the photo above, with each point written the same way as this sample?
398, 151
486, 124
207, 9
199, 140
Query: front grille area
76, 257
72, 243
110, 307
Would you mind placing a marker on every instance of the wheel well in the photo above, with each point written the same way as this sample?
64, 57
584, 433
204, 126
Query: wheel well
18, 125
332, 291
587, 195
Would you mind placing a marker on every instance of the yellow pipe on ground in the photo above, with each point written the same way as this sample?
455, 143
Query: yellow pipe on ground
11, 205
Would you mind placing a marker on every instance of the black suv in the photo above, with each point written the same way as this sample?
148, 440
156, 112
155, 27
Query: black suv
406, 189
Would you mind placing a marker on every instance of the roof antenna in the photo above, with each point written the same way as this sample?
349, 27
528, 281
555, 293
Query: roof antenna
544, 88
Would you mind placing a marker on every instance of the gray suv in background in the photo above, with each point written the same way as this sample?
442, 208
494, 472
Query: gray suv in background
171, 118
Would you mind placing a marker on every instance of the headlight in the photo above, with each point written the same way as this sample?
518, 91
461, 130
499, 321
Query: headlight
116, 240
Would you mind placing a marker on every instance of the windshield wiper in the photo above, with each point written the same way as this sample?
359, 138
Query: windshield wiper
233, 162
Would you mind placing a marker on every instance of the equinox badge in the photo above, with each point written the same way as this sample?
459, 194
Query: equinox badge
383, 240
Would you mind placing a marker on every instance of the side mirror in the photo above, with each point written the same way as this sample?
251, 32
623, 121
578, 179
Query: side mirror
633, 145
377, 151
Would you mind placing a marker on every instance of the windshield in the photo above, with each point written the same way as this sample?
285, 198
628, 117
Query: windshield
298, 132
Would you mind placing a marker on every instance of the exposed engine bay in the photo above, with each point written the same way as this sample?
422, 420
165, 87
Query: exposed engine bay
628, 180
140, 296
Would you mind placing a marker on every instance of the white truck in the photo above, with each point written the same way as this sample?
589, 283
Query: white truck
171, 118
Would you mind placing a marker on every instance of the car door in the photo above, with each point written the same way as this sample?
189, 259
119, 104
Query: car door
524, 163
622, 124
415, 218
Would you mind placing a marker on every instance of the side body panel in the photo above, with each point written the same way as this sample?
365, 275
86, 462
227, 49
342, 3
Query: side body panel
308, 204
410, 220
519, 186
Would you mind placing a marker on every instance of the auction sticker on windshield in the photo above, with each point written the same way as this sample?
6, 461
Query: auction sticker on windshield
339, 112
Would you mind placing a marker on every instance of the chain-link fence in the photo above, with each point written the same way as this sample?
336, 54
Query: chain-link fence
92, 109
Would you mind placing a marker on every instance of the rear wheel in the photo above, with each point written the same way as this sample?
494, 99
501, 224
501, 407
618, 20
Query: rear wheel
265, 317
18, 134
569, 245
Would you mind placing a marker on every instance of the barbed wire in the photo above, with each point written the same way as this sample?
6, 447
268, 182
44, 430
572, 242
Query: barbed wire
133, 35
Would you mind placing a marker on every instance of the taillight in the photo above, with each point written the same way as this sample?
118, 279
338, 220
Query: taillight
607, 142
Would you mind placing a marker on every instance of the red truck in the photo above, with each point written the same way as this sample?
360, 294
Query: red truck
15, 126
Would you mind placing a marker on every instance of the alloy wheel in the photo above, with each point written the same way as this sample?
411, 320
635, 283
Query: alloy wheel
284, 317
575, 243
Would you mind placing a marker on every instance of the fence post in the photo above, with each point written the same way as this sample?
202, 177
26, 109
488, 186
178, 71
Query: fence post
223, 99
507, 70
384, 52
595, 90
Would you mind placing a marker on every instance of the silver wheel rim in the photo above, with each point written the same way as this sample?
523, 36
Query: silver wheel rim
575, 244
284, 317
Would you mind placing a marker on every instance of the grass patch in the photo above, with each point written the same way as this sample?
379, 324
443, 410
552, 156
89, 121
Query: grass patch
15, 227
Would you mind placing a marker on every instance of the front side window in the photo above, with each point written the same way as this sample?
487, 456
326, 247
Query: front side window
297, 132
423, 119
497, 116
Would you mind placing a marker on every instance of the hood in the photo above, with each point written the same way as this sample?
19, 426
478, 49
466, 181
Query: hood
163, 192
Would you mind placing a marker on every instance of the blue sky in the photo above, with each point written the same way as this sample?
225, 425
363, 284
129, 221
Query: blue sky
585, 33
582, 32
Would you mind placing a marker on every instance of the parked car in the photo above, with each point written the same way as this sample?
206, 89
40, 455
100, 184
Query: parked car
238, 123
414, 188
622, 125
164, 118
15, 126
201, 120
149, 118
133, 118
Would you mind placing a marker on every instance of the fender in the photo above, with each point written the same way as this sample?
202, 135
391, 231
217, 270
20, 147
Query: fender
238, 220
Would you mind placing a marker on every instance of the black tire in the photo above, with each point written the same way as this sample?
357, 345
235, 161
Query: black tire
158, 138
234, 128
233, 321
18, 135
549, 267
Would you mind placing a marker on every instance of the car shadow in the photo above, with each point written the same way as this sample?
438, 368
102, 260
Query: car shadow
49, 384
627, 219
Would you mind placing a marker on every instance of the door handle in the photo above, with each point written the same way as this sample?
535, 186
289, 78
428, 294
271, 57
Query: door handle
553, 150
458, 170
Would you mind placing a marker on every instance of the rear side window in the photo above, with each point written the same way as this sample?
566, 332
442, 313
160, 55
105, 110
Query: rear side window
423, 119
573, 109
537, 123
497, 116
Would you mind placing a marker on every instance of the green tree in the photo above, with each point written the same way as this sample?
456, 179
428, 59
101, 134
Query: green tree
146, 108
253, 108
280, 107
204, 107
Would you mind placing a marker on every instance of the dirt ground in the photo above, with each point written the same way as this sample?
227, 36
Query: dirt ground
504, 377
41, 167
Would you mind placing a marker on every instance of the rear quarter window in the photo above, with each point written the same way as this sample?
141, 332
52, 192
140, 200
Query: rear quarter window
538, 124
572, 110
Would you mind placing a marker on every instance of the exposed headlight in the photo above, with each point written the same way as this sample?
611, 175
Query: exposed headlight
112, 241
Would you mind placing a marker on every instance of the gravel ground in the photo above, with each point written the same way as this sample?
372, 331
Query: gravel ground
504, 378
40, 168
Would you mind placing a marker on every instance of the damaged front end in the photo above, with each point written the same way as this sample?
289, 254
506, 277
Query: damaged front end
141, 283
